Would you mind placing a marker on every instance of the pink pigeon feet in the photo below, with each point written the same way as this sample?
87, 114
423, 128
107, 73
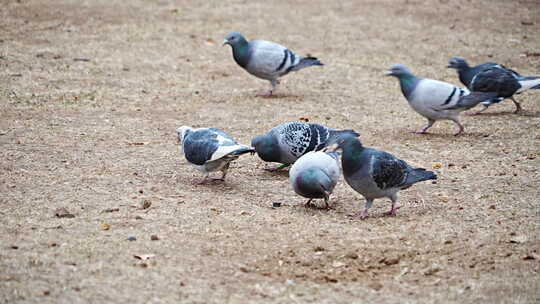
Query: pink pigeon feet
363, 215
392, 212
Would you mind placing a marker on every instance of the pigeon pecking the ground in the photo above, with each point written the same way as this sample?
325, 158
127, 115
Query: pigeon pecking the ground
429, 98
315, 174
467, 73
265, 59
376, 174
209, 149
288, 141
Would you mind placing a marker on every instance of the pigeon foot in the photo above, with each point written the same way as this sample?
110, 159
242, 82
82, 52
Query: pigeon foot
392, 212
362, 215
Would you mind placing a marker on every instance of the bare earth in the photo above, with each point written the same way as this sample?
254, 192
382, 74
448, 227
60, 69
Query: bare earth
91, 94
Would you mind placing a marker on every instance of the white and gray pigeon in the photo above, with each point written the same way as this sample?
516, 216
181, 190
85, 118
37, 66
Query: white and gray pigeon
315, 174
209, 149
265, 59
467, 73
430, 98
376, 174
288, 141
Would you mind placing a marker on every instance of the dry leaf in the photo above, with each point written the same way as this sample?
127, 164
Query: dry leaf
436, 165
144, 257
105, 226
62, 212
146, 204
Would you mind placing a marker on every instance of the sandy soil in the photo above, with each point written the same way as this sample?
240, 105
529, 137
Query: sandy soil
92, 92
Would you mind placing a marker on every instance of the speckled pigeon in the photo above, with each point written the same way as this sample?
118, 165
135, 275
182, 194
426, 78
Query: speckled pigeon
429, 98
209, 149
376, 174
500, 79
315, 174
265, 59
286, 142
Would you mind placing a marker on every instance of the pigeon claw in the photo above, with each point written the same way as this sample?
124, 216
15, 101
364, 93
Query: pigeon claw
392, 212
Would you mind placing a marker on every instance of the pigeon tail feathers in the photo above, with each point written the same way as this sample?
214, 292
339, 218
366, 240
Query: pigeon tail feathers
471, 100
419, 175
528, 83
306, 62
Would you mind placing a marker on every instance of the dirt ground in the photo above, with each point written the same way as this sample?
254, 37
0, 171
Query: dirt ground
91, 94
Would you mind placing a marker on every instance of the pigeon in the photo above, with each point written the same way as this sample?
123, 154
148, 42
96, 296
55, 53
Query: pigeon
376, 174
467, 73
315, 174
429, 98
209, 149
288, 141
265, 59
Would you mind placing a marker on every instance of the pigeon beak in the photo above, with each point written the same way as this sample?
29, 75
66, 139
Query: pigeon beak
331, 148
225, 42
388, 73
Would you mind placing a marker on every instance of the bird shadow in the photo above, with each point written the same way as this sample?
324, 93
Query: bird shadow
278, 96
506, 113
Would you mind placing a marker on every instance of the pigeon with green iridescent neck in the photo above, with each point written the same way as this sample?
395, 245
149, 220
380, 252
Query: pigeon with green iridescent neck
266, 59
314, 175
375, 174
288, 141
501, 81
430, 98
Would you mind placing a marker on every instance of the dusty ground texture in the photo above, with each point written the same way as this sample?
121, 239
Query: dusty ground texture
92, 91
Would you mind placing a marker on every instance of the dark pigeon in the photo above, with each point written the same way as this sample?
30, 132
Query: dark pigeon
466, 74
286, 142
376, 174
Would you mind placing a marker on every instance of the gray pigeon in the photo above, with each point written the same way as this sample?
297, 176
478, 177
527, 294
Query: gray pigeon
288, 141
315, 174
429, 98
265, 59
209, 149
375, 174
467, 73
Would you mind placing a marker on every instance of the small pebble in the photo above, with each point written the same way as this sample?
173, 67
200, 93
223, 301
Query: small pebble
154, 237
131, 238
276, 204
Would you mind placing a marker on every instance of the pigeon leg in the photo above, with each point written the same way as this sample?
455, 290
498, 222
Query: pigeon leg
203, 181
365, 214
326, 199
224, 172
308, 203
518, 106
395, 208
424, 129
460, 126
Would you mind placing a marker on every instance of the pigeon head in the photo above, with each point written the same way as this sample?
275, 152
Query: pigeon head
458, 63
235, 39
342, 141
398, 70
267, 148
182, 131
